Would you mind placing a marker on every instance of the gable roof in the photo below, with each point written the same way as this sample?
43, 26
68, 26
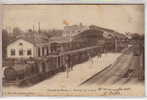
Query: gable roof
33, 40
28, 40
109, 32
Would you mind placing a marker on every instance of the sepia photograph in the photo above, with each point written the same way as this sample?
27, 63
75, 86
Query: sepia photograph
73, 49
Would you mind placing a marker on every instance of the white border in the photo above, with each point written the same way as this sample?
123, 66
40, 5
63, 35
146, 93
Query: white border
1, 17
145, 5
78, 2
72, 1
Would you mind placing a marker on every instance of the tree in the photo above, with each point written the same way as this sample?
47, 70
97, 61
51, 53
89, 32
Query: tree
16, 31
93, 27
136, 36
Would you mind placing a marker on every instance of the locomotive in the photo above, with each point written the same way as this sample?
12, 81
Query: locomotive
33, 70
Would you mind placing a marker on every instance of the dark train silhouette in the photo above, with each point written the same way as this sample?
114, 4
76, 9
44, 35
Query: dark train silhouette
33, 70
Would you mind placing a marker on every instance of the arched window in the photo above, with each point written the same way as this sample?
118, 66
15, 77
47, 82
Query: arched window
39, 52
20, 43
29, 52
12, 52
21, 52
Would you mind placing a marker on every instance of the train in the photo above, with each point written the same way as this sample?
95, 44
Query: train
28, 72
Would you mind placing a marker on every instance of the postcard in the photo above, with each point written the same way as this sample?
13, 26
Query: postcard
73, 49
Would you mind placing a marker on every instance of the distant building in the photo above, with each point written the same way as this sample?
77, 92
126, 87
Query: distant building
74, 30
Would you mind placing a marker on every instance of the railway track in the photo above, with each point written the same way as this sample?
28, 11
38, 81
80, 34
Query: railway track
123, 70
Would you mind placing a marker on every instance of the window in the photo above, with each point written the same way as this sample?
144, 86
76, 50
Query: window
20, 43
38, 52
21, 52
12, 52
47, 50
29, 52
43, 67
43, 51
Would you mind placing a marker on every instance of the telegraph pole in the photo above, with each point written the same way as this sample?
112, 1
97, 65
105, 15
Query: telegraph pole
33, 28
116, 44
39, 27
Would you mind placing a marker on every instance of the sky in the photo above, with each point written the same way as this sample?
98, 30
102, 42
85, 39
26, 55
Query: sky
121, 18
